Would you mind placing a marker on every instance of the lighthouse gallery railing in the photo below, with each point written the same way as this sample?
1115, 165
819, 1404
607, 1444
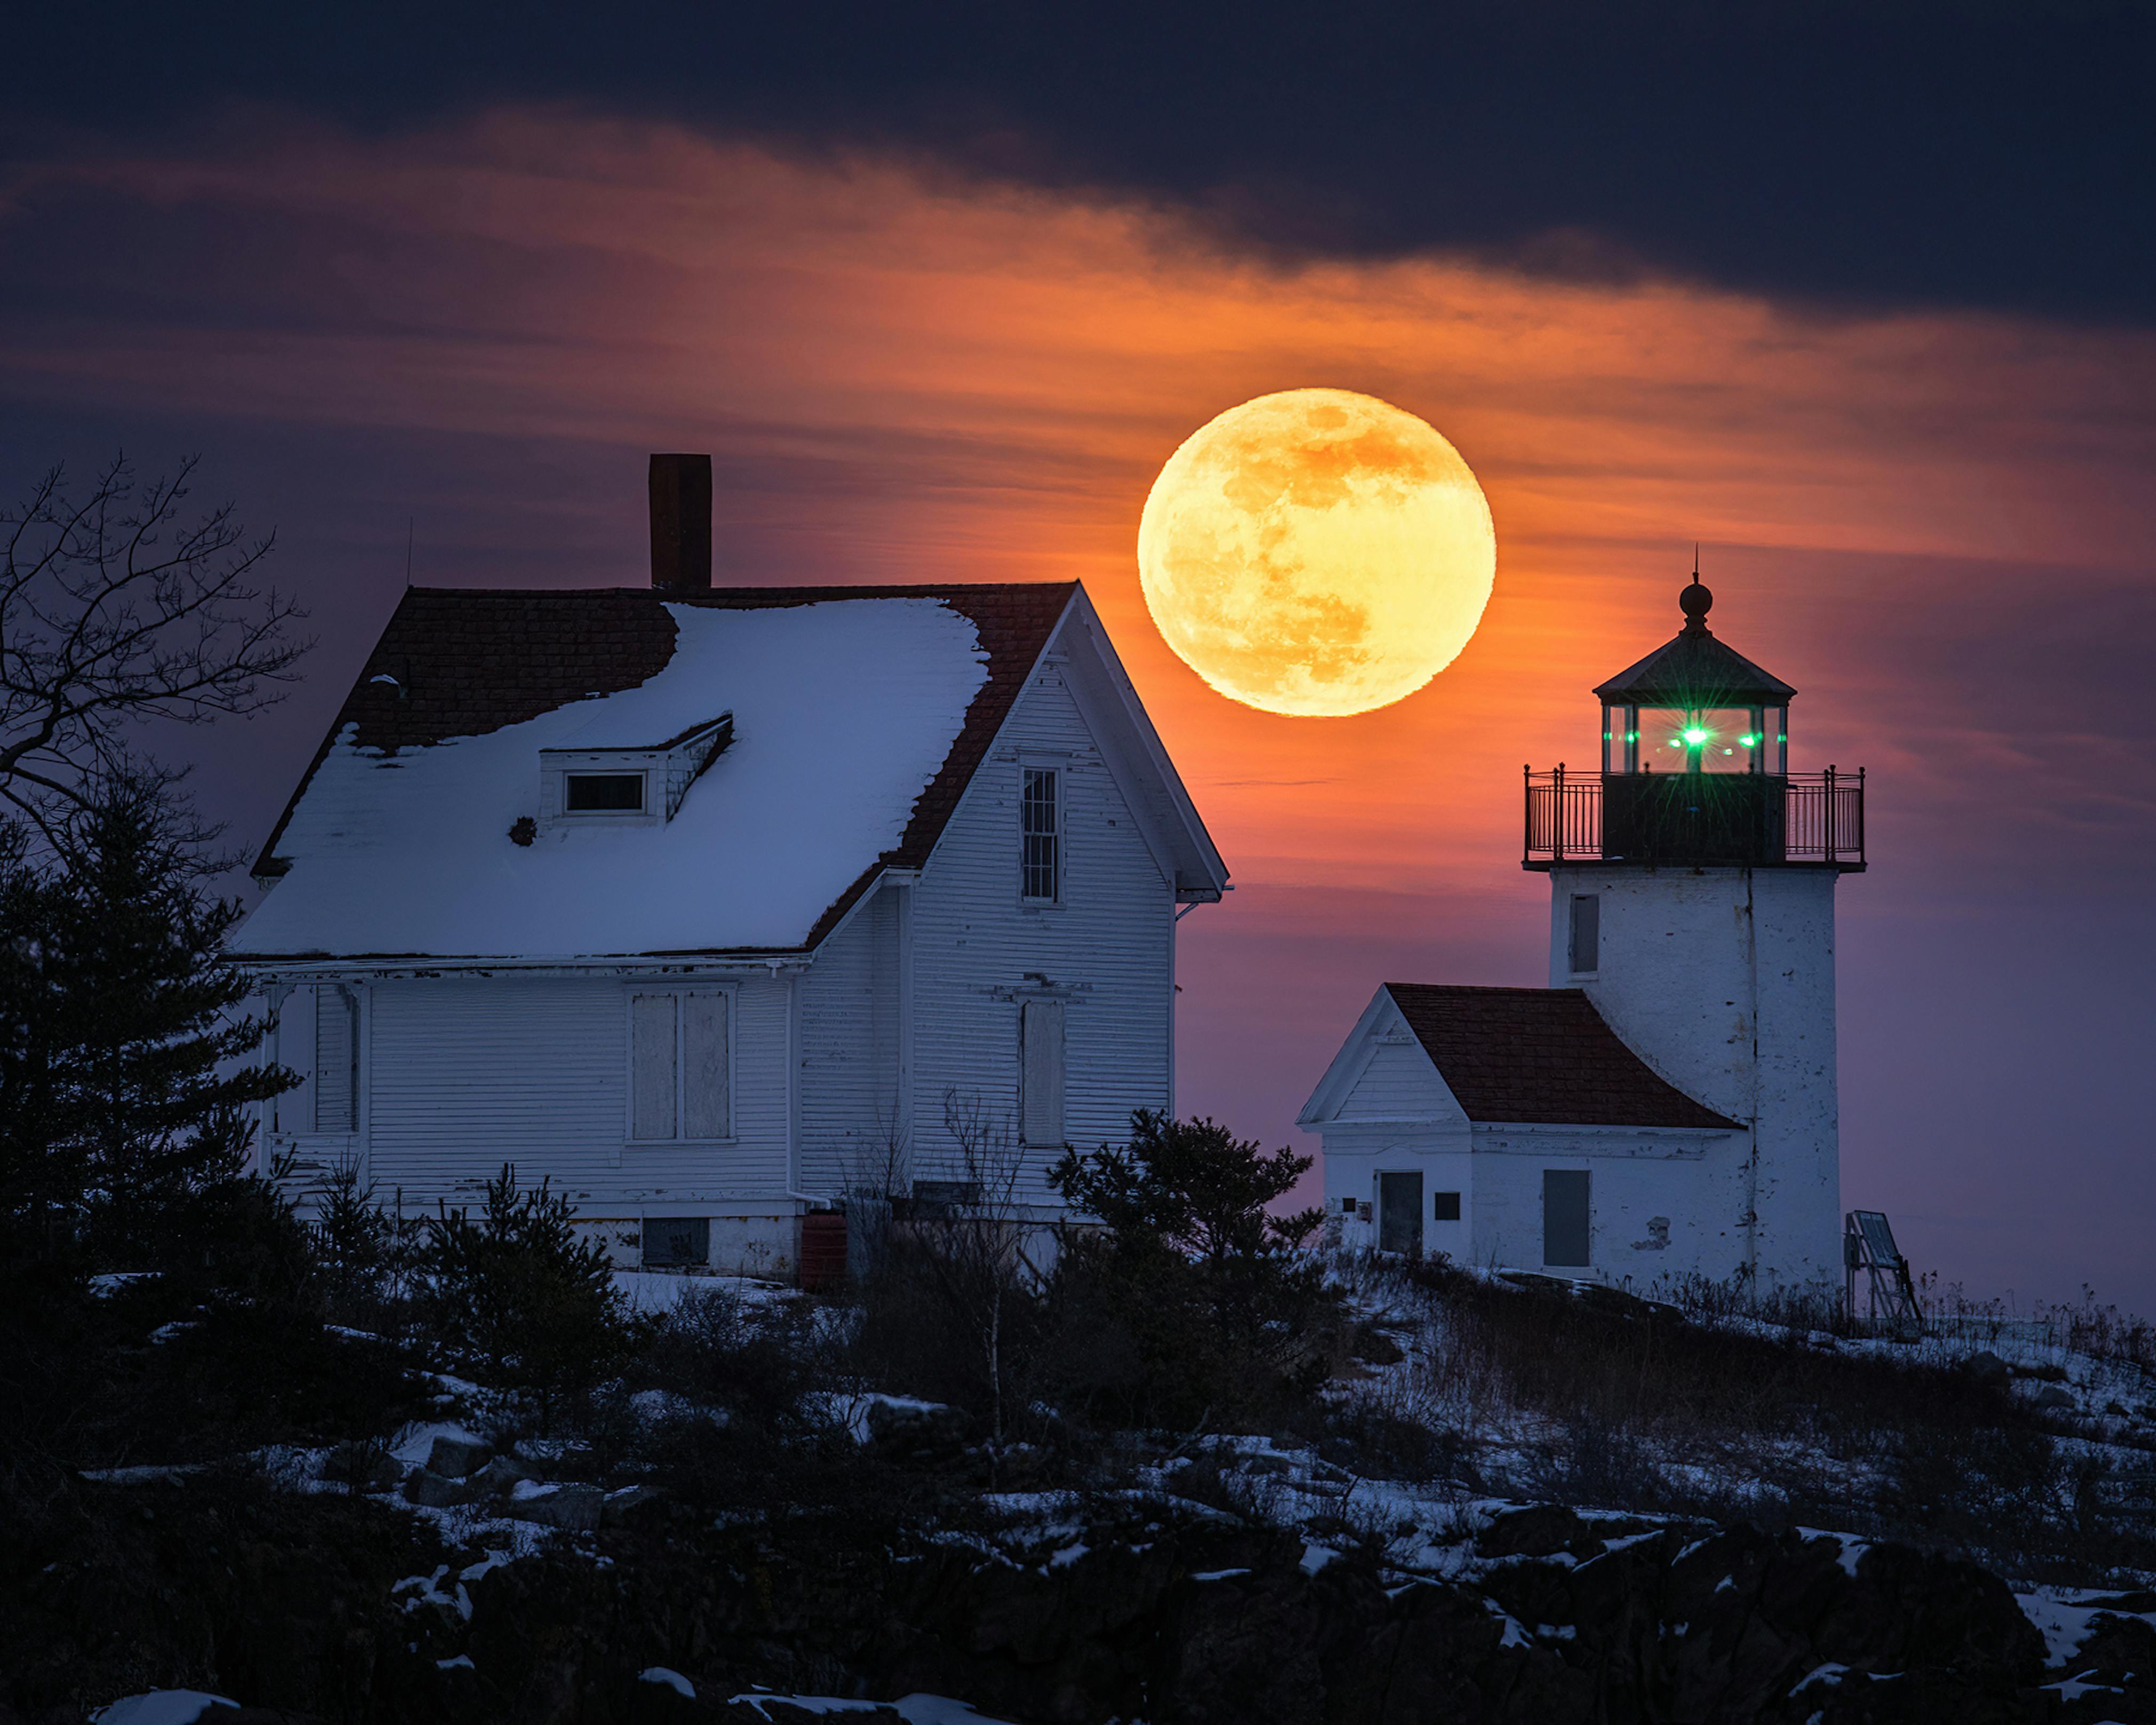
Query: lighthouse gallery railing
1696, 818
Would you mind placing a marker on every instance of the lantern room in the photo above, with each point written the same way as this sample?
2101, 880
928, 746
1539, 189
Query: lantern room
1695, 769
1696, 705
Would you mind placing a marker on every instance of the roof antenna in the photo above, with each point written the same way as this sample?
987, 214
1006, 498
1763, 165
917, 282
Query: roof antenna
1695, 561
408, 553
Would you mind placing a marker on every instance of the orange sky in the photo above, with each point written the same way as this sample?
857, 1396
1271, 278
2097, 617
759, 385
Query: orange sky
905, 377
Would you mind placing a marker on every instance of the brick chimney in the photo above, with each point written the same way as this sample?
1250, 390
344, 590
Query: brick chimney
681, 522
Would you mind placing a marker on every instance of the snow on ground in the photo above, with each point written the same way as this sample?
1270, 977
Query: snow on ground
658, 1291
2065, 1617
2111, 1416
159, 1706
411, 853
852, 1411
416, 1442
914, 1709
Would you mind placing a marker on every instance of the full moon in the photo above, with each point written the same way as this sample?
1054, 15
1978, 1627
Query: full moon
1316, 551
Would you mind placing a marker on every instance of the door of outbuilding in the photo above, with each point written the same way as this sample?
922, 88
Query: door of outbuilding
1399, 1213
1564, 1217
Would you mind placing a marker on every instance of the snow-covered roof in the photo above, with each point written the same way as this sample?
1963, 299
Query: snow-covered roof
859, 715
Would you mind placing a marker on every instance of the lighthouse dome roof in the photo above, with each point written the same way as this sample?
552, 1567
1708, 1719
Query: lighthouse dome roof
1695, 669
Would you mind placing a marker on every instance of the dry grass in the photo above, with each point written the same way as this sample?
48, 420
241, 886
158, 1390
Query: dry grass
1591, 1397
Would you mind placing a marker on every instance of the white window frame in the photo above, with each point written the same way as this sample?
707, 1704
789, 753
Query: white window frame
641, 775
731, 994
292, 1116
1059, 772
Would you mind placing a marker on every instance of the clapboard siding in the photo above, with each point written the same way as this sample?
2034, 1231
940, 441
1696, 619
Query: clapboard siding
1399, 1083
466, 1073
1109, 943
849, 1101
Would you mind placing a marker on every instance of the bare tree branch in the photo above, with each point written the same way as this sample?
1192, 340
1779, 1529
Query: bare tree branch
116, 611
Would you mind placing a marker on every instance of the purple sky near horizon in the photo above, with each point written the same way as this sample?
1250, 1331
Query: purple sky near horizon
1939, 528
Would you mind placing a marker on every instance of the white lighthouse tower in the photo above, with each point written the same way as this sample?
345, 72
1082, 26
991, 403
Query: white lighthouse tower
1691, 898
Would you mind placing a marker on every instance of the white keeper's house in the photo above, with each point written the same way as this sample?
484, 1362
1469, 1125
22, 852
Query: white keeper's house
702, 901
1667, 1107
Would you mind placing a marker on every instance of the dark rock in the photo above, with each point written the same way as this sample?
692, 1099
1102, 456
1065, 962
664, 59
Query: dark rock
1987, 1368
432, 1491
1541, 1531
292, 1602
501, 1474
368, 1466
576, 1508
927, 1431
457, 1458
1373, 1346
2051, 1398
617, 1507
2117, 1646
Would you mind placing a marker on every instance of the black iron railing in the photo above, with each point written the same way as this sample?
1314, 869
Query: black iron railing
1696, 818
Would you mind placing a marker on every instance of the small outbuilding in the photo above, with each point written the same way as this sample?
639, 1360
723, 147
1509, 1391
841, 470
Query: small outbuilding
1512, 1126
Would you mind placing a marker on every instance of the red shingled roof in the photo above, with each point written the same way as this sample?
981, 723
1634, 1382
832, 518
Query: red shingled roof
1540, 1056
470, 660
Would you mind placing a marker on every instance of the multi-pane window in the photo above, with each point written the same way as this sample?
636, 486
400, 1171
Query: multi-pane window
1040, 1074
679, 1069
1040, 835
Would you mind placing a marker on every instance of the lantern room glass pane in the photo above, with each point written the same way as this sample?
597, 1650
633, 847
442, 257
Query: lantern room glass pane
1707, 739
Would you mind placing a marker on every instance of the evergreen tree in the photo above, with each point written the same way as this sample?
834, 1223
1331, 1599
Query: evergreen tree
125, 1065
1189, 1300
521, 1291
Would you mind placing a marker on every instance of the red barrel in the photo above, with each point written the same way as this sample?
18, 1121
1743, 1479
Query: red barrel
823, 1256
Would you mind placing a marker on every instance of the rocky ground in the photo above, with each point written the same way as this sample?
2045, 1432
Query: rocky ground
341, 1606
1394, 1559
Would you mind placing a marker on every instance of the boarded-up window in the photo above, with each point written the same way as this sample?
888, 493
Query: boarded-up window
1444, 1207
1041, 1078
704, 1110
652, 1077
1586, 932
679, 1069
335, 1072
1040, 836
1564, 1217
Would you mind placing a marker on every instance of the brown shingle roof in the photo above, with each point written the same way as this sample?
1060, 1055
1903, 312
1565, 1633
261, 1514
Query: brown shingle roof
467, 661
1540, 1056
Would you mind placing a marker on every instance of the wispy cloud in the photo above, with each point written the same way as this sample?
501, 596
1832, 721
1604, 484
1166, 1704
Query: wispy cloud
1938, 527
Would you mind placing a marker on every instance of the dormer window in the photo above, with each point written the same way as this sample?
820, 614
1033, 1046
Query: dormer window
593, 780
603, 793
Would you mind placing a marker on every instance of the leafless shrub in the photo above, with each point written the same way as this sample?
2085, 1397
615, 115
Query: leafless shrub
958, 1271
